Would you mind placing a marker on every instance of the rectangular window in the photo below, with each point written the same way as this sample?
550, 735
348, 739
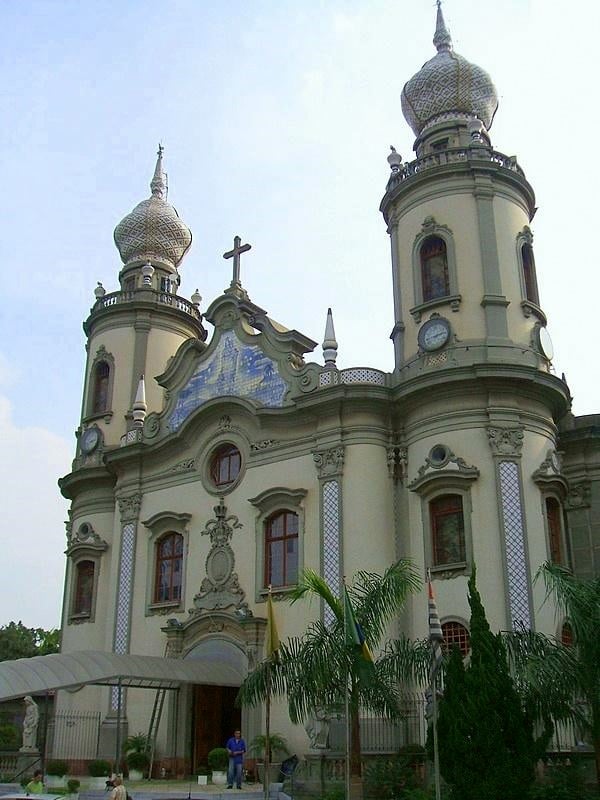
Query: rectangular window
281, 549
447, 530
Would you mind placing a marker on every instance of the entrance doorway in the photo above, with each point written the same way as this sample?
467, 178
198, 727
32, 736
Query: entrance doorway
214, 720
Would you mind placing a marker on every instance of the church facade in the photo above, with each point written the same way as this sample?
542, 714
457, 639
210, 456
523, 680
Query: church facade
212, 465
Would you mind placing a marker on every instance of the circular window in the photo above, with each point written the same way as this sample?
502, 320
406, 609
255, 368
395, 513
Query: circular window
439, 455
224, 465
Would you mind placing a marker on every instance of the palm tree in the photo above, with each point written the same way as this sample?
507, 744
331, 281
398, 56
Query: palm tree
319, 668
561, 682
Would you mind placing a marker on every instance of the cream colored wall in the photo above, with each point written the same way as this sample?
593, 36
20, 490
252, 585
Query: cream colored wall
162, 345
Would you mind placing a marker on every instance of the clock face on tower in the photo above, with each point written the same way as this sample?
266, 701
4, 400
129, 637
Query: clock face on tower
89, 440
434, 334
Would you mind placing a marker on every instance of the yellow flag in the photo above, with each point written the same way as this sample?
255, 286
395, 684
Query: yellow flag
272, 635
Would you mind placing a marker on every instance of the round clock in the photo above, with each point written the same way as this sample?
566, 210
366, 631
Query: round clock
89, 440
434, 334
545, 343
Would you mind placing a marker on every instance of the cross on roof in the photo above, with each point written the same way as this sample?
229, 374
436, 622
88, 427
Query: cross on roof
238, 249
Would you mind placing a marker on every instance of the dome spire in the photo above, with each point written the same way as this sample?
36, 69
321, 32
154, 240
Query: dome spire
441, 39
158, 184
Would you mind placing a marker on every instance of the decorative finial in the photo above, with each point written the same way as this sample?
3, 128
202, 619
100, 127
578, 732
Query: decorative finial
442, 39
394, 159
139, 405
158, 184
99, 291
330, 345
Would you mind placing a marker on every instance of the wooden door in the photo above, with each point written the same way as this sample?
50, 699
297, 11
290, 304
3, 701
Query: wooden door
215, 719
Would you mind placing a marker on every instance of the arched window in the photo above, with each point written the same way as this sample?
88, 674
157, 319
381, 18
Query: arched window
225, 465
566, 635
101, 387
553, 520
281, 549
456, 635
169, 568
447, 530
84, 588
434, 268
529, 279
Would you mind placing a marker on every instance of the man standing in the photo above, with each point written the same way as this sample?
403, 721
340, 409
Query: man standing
236, 747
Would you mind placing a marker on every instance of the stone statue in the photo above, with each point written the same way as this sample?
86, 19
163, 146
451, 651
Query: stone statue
30, 725
317, 728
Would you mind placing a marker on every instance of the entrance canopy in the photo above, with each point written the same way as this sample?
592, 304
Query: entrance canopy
73, 670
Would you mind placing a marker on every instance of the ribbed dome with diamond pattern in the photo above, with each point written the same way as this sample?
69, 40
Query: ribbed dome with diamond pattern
153, 231
448, 85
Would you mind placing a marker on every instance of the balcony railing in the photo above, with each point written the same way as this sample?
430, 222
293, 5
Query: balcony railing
457, 155
151, 295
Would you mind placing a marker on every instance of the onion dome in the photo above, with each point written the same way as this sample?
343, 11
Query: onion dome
153, 232
448, 86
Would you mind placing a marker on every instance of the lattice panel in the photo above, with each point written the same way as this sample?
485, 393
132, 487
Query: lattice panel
437, 360
121, 640
363, 375
516, 565
331, 540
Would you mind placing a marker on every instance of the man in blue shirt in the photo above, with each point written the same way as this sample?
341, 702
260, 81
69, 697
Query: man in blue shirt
236, 747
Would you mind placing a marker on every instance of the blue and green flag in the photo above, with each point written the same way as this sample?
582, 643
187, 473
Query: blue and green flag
353, 632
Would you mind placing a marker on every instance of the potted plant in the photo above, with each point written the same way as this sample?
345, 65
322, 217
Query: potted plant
277, 748
135, 751
99, 771
137, 763
218, 761
73, 788
202, 774
55, 774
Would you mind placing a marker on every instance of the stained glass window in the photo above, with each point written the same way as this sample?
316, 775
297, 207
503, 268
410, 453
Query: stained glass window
447, 529
434, 269
84, 588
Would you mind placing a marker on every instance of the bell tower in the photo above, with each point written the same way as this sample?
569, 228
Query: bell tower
477, 403
132, 332
458, 215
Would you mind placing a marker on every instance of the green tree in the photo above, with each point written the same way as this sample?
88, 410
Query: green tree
487, 748
320, 668
18, 641
564, 682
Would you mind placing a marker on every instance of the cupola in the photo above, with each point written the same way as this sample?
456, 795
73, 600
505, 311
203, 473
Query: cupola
153, 233
448, 90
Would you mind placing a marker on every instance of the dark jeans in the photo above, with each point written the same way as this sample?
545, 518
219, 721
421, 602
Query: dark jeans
234, 773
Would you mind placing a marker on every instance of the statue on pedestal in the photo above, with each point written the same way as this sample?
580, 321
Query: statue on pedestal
30, 726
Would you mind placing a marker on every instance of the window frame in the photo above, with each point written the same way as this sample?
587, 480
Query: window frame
160, 525
83, 544
439, 514
456, 621
174, 557
102, 357
431, 229
528, 277
284, 538
216, 457
76, 609
278, 499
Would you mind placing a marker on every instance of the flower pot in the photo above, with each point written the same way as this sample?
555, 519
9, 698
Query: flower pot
219, 777
56, 781
202, 780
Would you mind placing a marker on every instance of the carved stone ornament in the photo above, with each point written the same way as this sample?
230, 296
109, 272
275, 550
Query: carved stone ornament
220, 588
84, 536
397, 460
129, 507
579, 496
329, 463
442, 463
184, 466
505, 441
548, 474
263, 445
224, 423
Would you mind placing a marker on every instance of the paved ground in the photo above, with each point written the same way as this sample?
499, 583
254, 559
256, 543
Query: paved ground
169, 790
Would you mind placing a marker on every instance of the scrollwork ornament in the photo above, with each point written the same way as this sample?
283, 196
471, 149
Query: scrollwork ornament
579, 496
506, 441
329, 462
151, 426
129, 507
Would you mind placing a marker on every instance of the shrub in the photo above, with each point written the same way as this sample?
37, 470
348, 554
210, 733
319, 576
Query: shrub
137, 743
59, 768
218, 759
137, 760
389, 778
277, 743
10, 738
564, 782
99, 768
73, 785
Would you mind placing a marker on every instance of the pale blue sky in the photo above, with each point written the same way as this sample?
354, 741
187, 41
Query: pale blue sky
276, 119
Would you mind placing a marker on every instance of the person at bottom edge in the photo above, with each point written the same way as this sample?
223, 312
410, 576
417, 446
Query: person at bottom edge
36, 784
236, 747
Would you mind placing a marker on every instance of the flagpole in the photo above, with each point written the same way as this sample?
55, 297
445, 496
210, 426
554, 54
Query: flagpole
436, 636
268, 703
347, 704
436, 755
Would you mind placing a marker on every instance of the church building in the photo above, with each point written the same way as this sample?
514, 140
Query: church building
220, 452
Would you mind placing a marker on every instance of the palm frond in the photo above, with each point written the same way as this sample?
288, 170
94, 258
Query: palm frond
310, 582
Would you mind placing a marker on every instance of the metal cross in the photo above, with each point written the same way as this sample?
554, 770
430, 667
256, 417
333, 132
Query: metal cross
238, 249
